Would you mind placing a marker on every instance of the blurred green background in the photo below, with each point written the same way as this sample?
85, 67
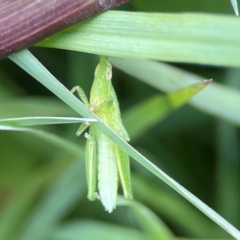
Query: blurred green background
42, 177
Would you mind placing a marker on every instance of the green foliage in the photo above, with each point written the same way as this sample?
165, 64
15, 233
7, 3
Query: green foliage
42, 175
189, 37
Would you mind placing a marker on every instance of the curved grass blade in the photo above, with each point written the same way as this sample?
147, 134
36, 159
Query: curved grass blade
30, 64
166, 204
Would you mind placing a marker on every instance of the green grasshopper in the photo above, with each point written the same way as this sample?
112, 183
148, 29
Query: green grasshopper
104, 159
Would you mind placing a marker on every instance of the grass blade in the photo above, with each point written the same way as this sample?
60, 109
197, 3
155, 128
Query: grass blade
172, 208
156, 108
147, 219
81, 230
34, 121
193, 38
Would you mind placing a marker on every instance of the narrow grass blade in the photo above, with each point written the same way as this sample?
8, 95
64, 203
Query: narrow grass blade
156, 108
166, 204
35, 121
147, 220
26, 61
31, 65
180, 189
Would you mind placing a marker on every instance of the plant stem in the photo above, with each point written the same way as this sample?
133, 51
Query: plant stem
26, 22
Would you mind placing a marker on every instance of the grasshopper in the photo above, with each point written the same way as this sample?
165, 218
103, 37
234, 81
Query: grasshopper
105, 161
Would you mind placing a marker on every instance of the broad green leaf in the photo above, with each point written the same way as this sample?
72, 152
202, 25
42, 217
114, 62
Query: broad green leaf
193, 38
31, 65
35, 121
217, 99
156, 108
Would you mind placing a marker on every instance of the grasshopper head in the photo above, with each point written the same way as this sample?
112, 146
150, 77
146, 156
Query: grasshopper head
103, 70
102, 86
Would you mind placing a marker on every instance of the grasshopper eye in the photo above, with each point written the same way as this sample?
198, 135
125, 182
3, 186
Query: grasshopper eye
109, 73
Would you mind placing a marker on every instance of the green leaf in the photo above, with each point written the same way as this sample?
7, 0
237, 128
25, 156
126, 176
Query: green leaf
172, 208
193, 38
81, 230
156, 108
147, 220
34, 121
31, 65
217, 99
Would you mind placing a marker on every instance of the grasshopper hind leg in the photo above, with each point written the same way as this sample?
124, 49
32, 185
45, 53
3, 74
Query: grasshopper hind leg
91, 166
124, 172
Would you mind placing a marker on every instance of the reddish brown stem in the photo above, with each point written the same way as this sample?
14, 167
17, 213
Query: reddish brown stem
25, 22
